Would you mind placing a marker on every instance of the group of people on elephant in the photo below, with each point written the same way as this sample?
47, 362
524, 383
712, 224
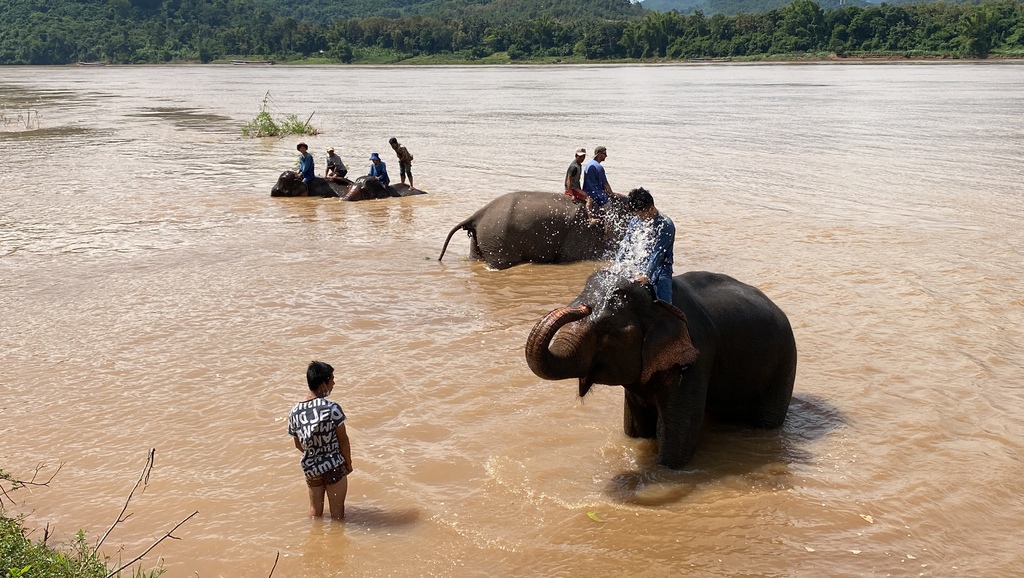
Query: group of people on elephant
682, 347
699, 344
376, 184
589, 184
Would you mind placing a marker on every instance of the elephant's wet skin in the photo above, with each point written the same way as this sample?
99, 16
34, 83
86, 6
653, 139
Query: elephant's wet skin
537, 227
368, 187
721, 348
290, 185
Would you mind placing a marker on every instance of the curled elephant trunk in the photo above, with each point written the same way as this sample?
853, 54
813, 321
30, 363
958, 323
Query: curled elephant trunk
563, 361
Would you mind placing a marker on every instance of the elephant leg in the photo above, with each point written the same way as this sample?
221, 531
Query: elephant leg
770, 408
680, 401
640, 418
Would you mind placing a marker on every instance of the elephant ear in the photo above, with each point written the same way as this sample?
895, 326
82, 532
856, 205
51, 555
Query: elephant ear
667, 343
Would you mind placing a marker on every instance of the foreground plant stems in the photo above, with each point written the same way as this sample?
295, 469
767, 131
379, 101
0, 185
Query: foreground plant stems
154, 545
143, 479
276, 558
16, 483
121, 517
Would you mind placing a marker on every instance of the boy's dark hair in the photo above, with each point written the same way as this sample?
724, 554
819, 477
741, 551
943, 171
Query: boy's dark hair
317, 374
639, 199
393, 140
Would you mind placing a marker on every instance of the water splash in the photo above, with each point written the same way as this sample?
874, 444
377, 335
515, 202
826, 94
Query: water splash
635, 248
634, 252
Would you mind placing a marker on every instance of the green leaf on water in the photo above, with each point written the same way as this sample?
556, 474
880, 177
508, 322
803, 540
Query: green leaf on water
593, 516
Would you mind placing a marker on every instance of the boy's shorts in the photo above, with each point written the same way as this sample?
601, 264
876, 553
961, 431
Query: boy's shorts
327, 478
576, 194
405, 170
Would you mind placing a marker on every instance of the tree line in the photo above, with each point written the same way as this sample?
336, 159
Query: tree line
158, 31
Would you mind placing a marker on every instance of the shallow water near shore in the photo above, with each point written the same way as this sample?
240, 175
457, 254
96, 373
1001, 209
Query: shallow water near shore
153, 295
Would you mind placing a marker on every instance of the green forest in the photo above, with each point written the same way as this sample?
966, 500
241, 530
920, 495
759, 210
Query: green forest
436, 31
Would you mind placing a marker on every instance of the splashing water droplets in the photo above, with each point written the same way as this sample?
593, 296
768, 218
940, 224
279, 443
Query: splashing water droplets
635, 250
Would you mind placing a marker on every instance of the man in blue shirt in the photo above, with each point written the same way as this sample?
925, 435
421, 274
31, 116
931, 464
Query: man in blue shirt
379, 169
305, 163
646, 249
595, 183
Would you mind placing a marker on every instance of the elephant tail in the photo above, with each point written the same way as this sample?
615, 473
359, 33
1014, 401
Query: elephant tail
469, 225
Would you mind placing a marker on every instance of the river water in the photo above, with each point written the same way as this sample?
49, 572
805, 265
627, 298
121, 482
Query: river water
153, 295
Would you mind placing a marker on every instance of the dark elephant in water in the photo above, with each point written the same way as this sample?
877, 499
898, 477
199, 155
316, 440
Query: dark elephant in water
721, 348
368, 187
290, 185
539, 227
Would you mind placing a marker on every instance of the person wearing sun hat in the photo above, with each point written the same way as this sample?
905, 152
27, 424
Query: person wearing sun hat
305, 163
379, 169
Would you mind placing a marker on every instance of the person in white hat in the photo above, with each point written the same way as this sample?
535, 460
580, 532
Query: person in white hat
573, 175
335, 168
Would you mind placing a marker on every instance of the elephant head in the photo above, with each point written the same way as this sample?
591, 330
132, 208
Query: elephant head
367, 187
614, 333
289, 185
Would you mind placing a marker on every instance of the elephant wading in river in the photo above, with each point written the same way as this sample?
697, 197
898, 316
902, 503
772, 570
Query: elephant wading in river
721, 348
370, 188
290, 185
538, 227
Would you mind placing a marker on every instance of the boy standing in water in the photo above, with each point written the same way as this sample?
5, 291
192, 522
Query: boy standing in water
318, 430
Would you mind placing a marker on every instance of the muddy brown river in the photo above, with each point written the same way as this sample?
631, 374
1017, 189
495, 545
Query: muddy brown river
153, 295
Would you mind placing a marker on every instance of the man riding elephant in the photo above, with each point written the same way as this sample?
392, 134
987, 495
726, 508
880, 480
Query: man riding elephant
720, 348
305, 171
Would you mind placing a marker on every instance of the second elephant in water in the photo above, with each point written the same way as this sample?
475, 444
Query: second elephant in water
368, 187
538, 227
290, 184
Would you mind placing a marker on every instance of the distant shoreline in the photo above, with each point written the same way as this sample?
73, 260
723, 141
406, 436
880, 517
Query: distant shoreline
830, 59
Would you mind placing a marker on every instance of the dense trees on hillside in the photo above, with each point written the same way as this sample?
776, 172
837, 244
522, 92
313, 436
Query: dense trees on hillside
138, 31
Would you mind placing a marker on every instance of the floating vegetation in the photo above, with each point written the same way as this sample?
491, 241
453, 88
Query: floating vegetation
19, 119
265, 125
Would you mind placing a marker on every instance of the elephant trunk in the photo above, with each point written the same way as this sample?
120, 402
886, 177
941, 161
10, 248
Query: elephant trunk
563, 360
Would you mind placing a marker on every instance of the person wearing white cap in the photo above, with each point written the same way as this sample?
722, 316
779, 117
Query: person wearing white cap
335, 168
573, 175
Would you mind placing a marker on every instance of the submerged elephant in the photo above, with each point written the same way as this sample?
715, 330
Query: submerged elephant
290, 185
368, 187
721, 347
537, 227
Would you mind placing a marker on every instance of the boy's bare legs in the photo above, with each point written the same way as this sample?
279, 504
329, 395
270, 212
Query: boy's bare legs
316, 501
336, 496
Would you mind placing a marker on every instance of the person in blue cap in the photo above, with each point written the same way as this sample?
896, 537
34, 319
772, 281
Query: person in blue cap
379, 169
